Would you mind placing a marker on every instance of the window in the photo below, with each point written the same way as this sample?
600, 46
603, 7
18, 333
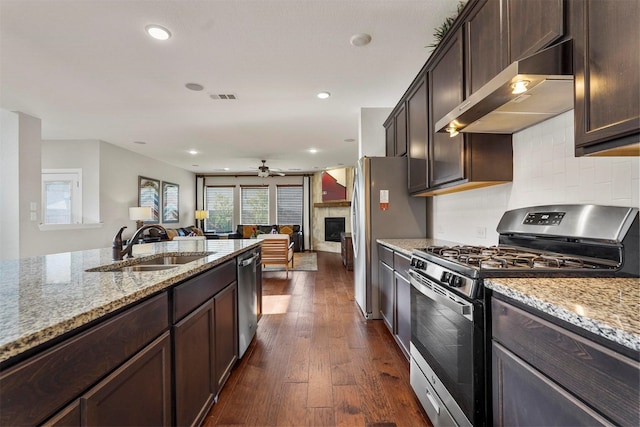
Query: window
289, 204
219, 203
62, 196
254, 205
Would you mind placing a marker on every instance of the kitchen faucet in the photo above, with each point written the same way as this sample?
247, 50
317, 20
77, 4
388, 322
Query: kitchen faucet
119, 252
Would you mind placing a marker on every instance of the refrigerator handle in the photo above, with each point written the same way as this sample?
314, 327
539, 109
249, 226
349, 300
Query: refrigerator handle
354, 215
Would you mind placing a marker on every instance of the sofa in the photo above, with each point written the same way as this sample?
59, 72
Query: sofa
249, 231
182, 233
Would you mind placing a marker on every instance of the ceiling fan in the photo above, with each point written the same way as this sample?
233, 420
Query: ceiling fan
264, 171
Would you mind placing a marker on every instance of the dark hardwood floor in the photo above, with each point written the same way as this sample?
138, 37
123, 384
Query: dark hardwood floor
316, 361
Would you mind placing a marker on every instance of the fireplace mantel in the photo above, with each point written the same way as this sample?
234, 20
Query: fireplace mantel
334, 204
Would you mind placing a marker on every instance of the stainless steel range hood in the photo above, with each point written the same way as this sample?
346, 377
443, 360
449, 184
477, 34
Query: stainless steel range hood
495, 109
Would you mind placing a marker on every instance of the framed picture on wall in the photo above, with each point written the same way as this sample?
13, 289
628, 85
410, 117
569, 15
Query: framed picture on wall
149, 195
170, 202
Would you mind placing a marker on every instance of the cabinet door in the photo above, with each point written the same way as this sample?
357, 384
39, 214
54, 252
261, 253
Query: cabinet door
417, 136
447, 90
400, 120
607, 77
195, 384
524, 397
403, 312
136, 394
390, 137
533, 25
226, 332
486, 53
386, 294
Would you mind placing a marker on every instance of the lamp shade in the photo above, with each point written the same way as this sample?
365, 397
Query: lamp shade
140, 213
202, 214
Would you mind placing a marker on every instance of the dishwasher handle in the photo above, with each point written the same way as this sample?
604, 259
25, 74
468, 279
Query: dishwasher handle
248, 261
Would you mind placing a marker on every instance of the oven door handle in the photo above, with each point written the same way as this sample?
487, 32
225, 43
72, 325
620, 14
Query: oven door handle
441, 296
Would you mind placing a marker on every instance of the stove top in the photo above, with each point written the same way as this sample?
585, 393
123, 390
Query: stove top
505, 257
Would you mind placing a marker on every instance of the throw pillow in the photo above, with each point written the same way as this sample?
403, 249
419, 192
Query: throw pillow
286, 229
247, 231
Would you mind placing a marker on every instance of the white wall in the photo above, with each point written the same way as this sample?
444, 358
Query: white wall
115, 170
9, 192
371, 133
78, 154
545, 172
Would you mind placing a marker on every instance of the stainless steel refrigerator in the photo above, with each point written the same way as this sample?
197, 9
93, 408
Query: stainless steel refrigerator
404, 217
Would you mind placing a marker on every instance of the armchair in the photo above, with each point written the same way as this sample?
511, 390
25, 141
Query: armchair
277, 249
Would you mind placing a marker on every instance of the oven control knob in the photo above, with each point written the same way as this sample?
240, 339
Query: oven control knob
446, 276
456, 281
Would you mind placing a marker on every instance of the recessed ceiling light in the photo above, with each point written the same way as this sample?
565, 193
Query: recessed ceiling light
323, 95
313, 150
194, 152
226, 169
195, 166
158, 32
139, 142
349, 140
194, 86
360, 40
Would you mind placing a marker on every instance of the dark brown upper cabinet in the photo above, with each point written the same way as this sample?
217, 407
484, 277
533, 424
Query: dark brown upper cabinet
607, 77
447, 90
486, 52
396, 132
418, 135
532, 25
390, 136
400, 118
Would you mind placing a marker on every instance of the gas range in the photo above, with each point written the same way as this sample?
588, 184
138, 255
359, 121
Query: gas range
542, 241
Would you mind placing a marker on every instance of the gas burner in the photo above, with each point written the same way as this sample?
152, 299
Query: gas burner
493, 263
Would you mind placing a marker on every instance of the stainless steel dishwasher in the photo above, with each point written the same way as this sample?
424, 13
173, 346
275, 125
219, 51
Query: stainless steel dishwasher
248, 262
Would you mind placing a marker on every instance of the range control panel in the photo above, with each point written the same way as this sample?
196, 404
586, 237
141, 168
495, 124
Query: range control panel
544, 218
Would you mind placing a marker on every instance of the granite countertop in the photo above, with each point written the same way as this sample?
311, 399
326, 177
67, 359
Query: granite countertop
406, 246
44, 297
608, 307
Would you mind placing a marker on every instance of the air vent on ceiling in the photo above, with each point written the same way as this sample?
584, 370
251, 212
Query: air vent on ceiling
229, 96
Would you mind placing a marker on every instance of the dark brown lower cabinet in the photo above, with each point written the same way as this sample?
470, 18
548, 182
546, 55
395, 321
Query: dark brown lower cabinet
387, 297
226, 333
545, 374
206, 349
403, 312
524, 397
137, 393
195, 384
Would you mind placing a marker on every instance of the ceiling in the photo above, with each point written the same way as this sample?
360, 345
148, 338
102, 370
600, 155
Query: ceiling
89, 71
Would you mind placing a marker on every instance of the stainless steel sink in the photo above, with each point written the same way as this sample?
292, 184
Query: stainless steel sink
158, 263
143, 267
172, 259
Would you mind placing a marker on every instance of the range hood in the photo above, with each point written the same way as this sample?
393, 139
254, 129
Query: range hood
494, 108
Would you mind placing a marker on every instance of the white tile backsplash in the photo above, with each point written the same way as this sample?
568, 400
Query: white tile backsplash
546, 171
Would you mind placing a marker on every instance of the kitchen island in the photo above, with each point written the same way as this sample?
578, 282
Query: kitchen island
65, 330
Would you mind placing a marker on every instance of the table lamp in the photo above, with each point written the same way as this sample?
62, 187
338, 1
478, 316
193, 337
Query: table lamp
140, 214
202, 215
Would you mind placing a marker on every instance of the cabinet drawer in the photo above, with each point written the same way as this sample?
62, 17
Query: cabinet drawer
401, 264
34, 390
385, 255
606, 380
193, 292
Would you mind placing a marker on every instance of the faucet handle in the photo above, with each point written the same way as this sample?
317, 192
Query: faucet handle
117, 239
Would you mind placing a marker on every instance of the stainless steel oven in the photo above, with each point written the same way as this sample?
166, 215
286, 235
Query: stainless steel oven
448, 339
447, 352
